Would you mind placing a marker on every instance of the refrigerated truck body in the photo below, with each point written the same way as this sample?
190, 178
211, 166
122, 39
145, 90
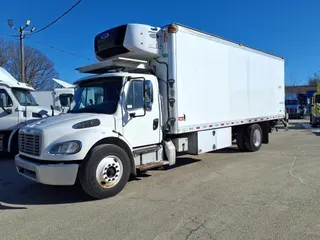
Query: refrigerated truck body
156, 92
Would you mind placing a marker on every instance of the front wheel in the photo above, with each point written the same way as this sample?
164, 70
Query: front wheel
105, 172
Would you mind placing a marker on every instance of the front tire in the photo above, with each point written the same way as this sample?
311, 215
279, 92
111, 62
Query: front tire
105, 172
314, 123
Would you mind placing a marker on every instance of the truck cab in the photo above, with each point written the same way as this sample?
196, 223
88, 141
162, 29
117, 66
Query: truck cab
17, 109
315, 108
295, 105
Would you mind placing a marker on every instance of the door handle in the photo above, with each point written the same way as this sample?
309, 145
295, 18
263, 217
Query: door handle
155, 123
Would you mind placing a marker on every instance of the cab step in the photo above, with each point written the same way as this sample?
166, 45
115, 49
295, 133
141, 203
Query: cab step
147, 166
144, 150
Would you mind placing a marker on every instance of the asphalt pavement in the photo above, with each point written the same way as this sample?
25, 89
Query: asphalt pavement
270, 194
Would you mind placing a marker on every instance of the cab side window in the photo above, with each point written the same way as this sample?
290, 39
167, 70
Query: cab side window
5, 99
135, 95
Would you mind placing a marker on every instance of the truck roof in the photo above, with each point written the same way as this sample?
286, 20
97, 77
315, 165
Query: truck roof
226, 40
113, 74
7, 79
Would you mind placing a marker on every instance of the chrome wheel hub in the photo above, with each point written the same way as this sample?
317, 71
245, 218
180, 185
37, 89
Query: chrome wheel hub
109, 171
256, 137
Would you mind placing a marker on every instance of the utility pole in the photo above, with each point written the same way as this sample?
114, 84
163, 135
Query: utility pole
22, 33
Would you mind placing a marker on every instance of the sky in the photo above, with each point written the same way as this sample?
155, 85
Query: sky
290, 29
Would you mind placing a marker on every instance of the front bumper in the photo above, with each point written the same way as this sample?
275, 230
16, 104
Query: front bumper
295, 115
47, 173
316, 119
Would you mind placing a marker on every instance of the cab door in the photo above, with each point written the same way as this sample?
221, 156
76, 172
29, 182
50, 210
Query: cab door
8, 115
141, 113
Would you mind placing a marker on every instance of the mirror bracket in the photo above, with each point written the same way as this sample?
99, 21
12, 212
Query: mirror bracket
132, 115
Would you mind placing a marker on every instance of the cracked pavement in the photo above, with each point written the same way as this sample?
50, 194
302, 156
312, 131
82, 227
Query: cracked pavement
270, 194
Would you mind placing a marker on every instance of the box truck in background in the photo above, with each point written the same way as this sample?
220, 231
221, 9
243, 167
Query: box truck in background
17, 108
59, 98
157, 92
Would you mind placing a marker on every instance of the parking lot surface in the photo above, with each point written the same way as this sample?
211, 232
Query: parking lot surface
270, 194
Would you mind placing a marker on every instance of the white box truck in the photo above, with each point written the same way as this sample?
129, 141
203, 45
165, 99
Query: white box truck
58, 98
17, 109
155, 93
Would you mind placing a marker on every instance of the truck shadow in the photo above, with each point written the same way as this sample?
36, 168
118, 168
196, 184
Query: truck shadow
36, 194
16, 190
293, 126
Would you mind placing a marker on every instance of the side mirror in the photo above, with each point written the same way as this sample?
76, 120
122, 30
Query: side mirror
3, 100
52, 110
148, 95
65, 100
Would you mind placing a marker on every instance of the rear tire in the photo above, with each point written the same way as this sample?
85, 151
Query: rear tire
314, 123
253, 138
105, 172
240, 139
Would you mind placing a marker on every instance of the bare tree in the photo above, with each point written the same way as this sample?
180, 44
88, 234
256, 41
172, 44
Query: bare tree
4, 52
314, 80
292, 81
39, 69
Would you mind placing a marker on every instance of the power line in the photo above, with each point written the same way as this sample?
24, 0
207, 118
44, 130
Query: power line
61, 50
66, 12
52, 47
10, 35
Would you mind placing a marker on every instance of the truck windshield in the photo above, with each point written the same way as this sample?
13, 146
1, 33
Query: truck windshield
291, 102
24, 97
97, 96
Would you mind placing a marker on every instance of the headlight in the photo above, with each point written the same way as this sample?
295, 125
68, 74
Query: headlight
66, 148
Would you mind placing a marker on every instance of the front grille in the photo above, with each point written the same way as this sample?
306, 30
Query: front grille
291, 110
30, 143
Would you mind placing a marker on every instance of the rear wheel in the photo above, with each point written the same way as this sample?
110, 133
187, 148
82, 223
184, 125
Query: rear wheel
253, 137
106, 171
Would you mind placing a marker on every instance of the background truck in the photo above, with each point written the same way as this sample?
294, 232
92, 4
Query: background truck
59, 98
315, 108
309, 95
17, 108
155, 94
295, 104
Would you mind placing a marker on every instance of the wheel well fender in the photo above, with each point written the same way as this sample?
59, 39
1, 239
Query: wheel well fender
122, 144
265, 131
13, 138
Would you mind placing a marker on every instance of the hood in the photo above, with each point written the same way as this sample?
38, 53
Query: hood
43, 111
68, 120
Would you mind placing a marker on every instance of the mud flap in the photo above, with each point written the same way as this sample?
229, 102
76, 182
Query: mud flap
265, 132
